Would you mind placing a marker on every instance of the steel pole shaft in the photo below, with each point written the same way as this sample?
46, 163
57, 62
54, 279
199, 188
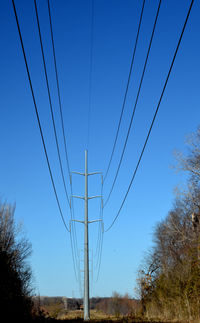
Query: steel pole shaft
86, 248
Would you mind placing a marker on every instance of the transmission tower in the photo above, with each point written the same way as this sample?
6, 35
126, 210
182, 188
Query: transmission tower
86, 238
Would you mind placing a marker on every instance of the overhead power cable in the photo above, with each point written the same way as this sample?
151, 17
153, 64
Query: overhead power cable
154, 118
37, 115
126, 92
101, 231
99, 247
100, 258
58, 87
72, 238
50, 102
73, 234
135, 105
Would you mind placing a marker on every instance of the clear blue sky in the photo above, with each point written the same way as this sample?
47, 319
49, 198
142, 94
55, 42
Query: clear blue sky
24, 177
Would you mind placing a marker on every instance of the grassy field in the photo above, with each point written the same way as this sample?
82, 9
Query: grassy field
77, 315
95, 316
55, 313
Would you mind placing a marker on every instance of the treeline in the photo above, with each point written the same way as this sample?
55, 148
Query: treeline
169, 280
117, 305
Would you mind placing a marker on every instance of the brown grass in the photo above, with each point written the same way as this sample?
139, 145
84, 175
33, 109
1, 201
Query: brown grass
100, 317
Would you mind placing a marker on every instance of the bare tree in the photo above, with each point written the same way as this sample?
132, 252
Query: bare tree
191, 162
15, 278
169, 282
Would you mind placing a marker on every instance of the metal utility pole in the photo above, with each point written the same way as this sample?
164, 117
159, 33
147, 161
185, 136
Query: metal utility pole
86, 248
86, 301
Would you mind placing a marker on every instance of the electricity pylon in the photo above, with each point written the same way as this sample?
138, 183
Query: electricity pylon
86, 239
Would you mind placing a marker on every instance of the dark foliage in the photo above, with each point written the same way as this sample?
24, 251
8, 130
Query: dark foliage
15, 273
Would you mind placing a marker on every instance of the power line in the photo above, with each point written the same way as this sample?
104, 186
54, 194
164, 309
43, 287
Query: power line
136, 101
37, 115
74, 240
58, 86
100, 244
153, 120
126, 91
100, 257
98, 253
100, 214
101, 232
72, 234
73, 226
72, 246
50, 102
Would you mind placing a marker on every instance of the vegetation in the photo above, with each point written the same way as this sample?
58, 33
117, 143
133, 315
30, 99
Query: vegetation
16, 300
15, 278
101, 307
169, 280
118, 305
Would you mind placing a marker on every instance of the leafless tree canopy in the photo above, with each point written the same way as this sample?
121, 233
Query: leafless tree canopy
169, 280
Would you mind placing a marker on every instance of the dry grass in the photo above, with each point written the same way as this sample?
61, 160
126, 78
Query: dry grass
57, 314
100, 317
96, 316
